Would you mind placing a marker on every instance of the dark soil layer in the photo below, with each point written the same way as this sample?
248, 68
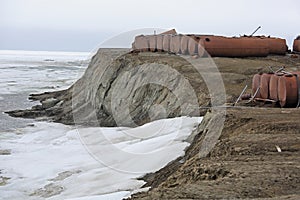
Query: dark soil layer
245, 163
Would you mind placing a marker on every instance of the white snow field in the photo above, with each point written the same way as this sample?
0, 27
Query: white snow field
53, 161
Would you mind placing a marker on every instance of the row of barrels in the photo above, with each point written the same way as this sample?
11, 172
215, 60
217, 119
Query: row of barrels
279, 87
214, 45
179, 44
296, 44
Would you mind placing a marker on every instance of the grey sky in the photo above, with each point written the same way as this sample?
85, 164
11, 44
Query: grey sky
80, 25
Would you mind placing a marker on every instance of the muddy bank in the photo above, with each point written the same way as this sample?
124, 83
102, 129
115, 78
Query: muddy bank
130, 89
256, 156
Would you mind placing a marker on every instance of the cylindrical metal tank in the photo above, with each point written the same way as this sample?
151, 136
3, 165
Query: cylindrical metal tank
201, 48
175, 44
141, 43
166, 43
159, 42
235, 47
276, 46
255, 85
287, 90
193, 45
184, 44
264, 85
152, 42
296, 45
273, 87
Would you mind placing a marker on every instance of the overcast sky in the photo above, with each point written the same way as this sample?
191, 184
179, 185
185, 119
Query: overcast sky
80, 25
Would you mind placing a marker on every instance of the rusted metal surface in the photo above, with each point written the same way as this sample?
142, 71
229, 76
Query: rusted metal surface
264, 85
159, 42
245, 46
273, 88
141, 43
166, 43
276, 45
175, 44
172, 32
201, 48
296, 45
193, 45
255, 85
184, 44
282, 87
235, 47
152, 42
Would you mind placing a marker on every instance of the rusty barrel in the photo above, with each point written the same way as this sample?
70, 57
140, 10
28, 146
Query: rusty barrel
141, 43
288, 90
184, 44
296, 45
193, 44
175, 44
201, 48
166, 43
264, 85
235, 47
159, 42
273, 87
152, 42
255, 85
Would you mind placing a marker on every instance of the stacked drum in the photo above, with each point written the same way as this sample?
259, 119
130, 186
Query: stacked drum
282, 87
214, 45
172, 43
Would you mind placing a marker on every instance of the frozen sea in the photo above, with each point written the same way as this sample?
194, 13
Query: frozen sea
44, 160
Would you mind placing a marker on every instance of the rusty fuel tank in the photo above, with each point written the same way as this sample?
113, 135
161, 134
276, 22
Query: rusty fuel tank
166, 42
159, 43
296, 44
235, 47
175, 44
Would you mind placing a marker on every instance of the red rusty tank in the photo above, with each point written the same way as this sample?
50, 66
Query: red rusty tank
184, 44
288, 90
193, 44
159, 42
141, 43
175, 44
264, 85
273, 87
171, 31
276, 45
296, 44
166, 43
255, 85
235, 47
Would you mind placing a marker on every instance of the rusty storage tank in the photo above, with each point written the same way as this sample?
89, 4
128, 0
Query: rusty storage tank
201, 48
296, 44
159, 42
235, 47
255, 85
264, 85
152, 42
273, 87
193, 44
184, 44
288, 90
169, 32
141, 43
276, 46
175, 44
166, 42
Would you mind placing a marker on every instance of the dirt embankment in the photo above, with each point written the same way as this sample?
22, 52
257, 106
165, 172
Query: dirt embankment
256, 156
148, 86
